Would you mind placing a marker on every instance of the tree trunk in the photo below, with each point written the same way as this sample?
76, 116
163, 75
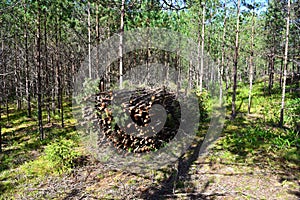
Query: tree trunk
89, 38
227, 78
97, 38
5, 89
223, 53
17, 76
39, 81
285, 63
251, 61
60, 83
46, 68
202, 47
166, 68
236, 56
121, 43
281, 73
0, 126
2, 63
190, 75
271, 69
57, 72
27, 84
54, 79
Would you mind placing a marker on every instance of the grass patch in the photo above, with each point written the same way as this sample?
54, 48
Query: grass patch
257, 138
26, 158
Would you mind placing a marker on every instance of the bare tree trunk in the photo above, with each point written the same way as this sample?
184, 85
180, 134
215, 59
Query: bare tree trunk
281, 73
265, 80
0, 126
6, 90
190, 75
61, 106
167, 69
97, 38
57, 72
2, 63
251, 60
285, 63
293, 70
60, 83
46, 67
178, 80
227, 78
121, 43
202, 46
27, 84
89, 36
223, 53
233, 111
17, 76
39, 82
271, 69
54, 88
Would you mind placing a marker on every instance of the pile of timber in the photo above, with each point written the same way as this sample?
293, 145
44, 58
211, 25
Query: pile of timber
136, 105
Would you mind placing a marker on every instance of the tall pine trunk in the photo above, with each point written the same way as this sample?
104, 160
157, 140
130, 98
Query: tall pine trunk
251, 61
223, 53
236, 56
0, 126
202, 47
89, 38
27, 84
121, 44
47, 70
39, 79
285, 63
1, 90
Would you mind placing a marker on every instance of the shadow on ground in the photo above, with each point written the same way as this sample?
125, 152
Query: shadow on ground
166, 189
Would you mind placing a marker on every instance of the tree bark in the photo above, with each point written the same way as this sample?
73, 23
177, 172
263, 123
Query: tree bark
17, 75
2, 63
281, 73
46, 68
223, 53
233, 111
285, 63
27, 84
39, 81
251, 60
0, 126
271, 67
97, 38
121, 44
202, 46
89, 38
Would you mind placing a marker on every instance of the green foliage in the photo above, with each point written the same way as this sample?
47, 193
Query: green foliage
292, 116
90, 87
62, 154
252, 139
120, 117
204, 103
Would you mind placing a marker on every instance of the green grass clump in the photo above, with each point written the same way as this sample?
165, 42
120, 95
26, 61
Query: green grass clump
62, 154
252, 138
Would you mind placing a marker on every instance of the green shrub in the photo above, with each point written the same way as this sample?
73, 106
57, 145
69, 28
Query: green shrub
292, 116
203, 101
62, 154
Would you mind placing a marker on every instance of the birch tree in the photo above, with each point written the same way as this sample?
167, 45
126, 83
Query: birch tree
285, 63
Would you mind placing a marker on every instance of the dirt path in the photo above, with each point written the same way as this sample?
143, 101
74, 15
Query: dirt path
190, 179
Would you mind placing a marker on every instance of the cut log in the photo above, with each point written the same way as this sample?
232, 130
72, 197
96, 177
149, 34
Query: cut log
139, 105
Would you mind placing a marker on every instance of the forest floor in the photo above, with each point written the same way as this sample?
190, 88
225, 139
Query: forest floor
248, 161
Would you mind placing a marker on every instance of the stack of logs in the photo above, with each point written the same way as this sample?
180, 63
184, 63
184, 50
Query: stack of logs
138, 107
